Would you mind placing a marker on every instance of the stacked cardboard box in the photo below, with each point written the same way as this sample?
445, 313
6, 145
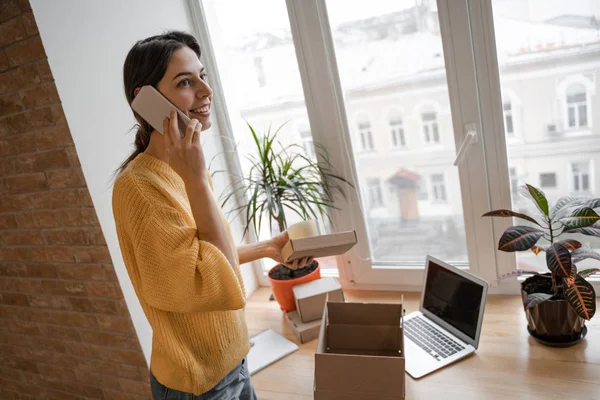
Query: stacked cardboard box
360, 353
310, 303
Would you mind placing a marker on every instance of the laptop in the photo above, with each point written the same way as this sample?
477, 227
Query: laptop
448, 324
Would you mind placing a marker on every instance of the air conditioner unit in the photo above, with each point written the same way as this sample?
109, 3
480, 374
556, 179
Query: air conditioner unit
553, 130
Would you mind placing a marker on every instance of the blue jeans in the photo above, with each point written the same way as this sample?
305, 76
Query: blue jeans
235, 386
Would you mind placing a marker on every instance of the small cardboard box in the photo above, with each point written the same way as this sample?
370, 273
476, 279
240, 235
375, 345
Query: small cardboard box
360, 353
332, 244
311, 297
305, 331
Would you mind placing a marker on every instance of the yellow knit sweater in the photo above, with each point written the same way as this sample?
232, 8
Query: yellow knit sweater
191, 295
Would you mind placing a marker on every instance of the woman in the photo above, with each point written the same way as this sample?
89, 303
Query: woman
176, 244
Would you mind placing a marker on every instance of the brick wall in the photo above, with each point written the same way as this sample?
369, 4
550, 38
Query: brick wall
65, 331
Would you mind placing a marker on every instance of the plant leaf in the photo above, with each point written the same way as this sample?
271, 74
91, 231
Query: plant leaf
509, 213
534, 299
539, 198
594, 203
519, 238
581, 296
567, 201
571, 244
580, 218
583, 253
536, 250
588, 272
558, 260
593, 230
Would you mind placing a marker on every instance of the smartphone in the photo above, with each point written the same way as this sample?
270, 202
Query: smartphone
153, 107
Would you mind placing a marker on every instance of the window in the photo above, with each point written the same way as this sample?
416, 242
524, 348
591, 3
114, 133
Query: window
577, 107
438, 188
365, 135
580, 173
431, 132
250, 54
375, 193
353, 59
509, 128
397, 129
307, 141
548, 180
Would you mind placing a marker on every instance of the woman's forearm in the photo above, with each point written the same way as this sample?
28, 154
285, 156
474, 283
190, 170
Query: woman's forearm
254, 251
208, 218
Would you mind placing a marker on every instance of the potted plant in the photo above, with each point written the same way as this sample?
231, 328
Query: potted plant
283, 179
558, 302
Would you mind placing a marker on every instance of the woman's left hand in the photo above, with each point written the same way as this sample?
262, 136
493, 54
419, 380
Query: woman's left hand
275, 246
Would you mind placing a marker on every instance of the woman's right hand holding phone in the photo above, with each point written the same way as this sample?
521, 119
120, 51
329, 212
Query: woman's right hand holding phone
185, 153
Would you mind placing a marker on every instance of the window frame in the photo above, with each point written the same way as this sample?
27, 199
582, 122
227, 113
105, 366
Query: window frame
554, 174
387, 117
364, 135
562, 91
375, 183
591, 176
435, 186
471, 35
429, 107
322, 88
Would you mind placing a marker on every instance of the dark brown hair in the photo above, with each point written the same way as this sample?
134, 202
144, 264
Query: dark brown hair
146, 64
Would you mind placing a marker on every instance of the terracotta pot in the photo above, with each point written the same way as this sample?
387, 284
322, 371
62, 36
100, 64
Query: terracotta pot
282, 289
554, 323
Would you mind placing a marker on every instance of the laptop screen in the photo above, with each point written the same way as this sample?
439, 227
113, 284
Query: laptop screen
453, 298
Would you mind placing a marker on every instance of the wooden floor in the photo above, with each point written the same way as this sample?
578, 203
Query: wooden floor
509, 364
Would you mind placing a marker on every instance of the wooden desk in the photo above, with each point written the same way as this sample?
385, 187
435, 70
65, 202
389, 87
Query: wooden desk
509, 364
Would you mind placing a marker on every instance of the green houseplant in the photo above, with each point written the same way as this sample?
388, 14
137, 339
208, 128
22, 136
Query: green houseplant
556, 303
283, 180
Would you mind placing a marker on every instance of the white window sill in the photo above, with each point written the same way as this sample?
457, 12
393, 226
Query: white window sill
575, 132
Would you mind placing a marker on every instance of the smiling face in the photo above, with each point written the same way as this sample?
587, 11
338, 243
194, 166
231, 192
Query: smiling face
185, 85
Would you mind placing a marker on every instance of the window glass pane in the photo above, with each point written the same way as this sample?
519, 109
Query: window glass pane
585, 183
530, 36
576, 98
372, 40
395, 137
258, 67
572, 119
583, 115
508, 120
436, 134
548, 180
428, 117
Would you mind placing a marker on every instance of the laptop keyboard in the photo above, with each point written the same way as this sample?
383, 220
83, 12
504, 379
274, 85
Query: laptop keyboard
430, 339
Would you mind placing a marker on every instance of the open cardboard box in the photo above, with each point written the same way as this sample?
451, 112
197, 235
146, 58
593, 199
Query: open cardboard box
360, 353
332, 244
311, 297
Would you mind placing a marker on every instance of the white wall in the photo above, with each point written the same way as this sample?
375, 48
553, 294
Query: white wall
86, 43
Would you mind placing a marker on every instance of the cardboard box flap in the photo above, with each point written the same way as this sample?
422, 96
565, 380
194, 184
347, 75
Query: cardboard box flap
365, 313
322, 344
319, 286
319, 246
364, 337
359, 374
